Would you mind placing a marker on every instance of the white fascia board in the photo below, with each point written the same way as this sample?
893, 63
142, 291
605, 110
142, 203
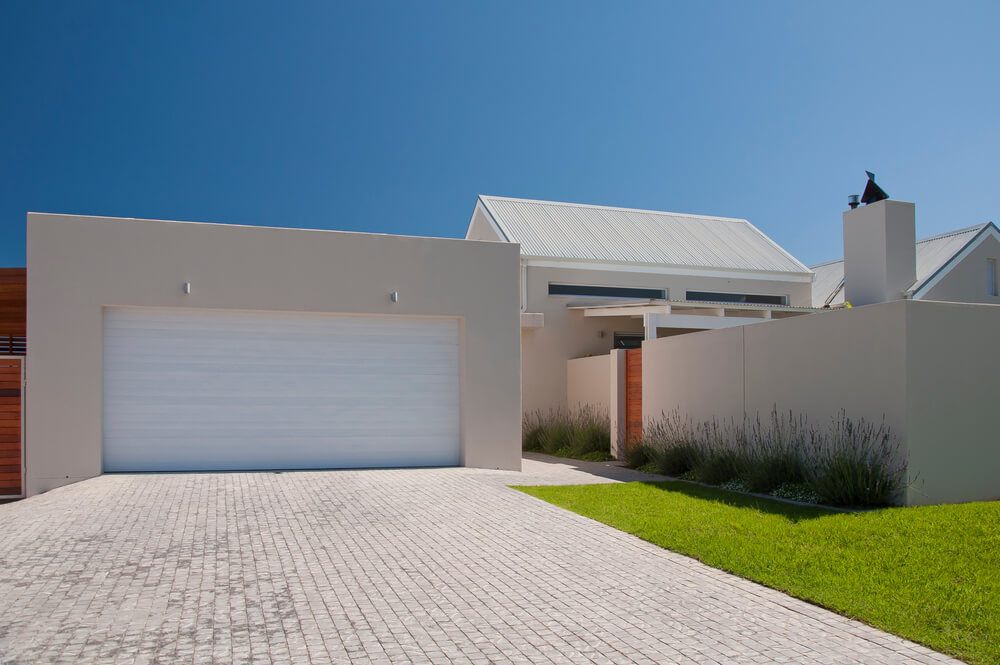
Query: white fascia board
481, 205
700, 322
989, 231
625, 311
659, 269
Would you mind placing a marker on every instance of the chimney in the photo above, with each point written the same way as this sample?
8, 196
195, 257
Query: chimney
880, 252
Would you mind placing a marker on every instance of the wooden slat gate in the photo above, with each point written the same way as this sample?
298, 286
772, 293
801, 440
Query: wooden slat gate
11, 427
633, 396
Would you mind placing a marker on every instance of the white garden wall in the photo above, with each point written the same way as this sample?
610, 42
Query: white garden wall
930, 369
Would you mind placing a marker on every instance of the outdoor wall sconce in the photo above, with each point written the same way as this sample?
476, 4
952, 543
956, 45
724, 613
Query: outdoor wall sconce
394, 296
187, 287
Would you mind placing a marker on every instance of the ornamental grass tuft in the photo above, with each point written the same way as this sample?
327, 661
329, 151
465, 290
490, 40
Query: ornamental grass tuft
584, 433
850, 463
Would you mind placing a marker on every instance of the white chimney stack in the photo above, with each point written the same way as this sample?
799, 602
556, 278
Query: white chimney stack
880, 252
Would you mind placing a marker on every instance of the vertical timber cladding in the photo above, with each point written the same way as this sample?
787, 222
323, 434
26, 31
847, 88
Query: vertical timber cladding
13, 308
633, 396
11, 445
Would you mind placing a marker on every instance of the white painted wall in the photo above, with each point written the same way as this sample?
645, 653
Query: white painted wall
589, 383
928, 368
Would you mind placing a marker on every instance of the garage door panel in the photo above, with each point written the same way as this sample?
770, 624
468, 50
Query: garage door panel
209, 389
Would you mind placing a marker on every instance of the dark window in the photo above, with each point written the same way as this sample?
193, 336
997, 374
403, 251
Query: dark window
628, 340
606, 291
749, 298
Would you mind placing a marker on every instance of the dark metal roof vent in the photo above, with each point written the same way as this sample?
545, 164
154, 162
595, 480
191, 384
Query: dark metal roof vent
873, 192
852, 200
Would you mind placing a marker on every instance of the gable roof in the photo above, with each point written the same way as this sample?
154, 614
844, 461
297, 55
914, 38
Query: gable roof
933, 255
572, 232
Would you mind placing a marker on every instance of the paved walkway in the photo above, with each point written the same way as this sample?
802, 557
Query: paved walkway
395, 566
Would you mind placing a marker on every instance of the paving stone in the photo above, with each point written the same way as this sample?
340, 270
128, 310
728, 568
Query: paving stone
380, 567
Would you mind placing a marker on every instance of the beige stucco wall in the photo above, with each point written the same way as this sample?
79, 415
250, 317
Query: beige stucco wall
953, 378
589, 383
78, 265
927, 368
700, 375
568, 334
821, 363
966, 282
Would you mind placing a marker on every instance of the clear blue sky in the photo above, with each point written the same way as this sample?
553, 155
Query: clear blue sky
392, 117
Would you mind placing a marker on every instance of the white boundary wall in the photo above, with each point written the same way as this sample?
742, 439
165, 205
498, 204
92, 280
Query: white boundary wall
587, 383
930, 369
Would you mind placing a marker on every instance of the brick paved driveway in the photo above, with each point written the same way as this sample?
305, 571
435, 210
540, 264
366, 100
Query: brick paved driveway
407, 566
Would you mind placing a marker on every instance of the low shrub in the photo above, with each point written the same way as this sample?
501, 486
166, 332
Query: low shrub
718, 466
590, 433
584, 433
677, 458
857, 464
637, 454
671, 446
851, 463
774, 454
557, 436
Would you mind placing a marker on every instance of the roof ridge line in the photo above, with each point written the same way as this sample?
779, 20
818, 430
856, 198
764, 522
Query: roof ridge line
948, 234
570, 204
826, 263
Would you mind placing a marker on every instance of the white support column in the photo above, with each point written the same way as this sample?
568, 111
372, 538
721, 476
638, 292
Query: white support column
649, 323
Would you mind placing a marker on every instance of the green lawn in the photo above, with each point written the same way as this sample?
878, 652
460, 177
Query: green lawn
929, 574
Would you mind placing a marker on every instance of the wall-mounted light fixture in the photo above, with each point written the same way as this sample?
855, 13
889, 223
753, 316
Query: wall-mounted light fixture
394, 296
187, 287
600, 333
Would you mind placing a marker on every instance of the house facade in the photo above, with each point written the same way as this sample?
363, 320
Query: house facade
595, 278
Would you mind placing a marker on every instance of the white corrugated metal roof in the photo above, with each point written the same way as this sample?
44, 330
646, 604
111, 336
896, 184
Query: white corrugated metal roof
569, 231
932, 254
829, 278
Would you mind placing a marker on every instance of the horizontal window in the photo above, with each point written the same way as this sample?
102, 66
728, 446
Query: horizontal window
606, 291
749, 298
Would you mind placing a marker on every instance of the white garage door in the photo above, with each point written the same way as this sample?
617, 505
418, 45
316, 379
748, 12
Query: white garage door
189, 389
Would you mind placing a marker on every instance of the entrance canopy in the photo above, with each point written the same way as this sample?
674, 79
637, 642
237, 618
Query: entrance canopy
687, 315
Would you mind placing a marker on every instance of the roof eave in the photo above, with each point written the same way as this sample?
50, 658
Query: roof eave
805, 275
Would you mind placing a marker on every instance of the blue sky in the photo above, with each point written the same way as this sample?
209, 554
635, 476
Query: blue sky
392, 117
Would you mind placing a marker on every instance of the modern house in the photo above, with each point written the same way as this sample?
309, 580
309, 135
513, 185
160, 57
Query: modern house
595, 278
173, 346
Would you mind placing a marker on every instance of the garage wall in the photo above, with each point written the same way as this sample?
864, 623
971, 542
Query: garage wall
79, 265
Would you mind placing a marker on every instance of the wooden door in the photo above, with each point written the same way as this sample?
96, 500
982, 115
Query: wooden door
11, 444
633, 396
